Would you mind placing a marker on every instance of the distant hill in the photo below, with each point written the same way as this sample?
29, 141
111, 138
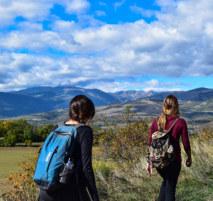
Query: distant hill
16, 104
47, 99
198, 114
43, 99
132, 95
61, 95
199, 94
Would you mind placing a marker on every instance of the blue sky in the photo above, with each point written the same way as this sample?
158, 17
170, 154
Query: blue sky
111, 45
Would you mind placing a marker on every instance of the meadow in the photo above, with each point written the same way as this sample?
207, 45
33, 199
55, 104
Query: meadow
10, 160
119, 161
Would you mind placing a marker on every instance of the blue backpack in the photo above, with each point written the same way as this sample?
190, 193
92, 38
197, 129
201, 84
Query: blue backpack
53, 156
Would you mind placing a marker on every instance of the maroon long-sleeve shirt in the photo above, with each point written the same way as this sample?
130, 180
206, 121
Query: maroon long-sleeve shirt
179, 130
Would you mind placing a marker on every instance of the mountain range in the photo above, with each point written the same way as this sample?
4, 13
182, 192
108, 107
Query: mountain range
199, 94
45, 99
132, 95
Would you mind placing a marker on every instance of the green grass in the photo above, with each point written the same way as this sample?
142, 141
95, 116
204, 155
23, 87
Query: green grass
10, 160
133, 184
119, 180
191, 189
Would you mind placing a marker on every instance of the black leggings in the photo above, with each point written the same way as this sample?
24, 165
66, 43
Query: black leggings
170, 177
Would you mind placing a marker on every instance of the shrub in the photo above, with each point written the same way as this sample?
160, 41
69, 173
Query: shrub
28, 135
126, 146
130, 141
106, 138
28, 142
1, 141
41, 132
10, 139
24, 189
104, 167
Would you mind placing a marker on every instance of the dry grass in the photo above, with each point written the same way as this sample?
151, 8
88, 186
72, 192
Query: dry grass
128, 181
10, 160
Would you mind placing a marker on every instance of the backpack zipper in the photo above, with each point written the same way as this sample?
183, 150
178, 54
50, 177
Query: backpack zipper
63, 133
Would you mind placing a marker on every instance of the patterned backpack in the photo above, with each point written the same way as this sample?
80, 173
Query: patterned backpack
161, 151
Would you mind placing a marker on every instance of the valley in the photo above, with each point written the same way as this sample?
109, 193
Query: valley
197, 114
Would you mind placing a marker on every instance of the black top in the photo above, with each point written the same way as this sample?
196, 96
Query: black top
83, 187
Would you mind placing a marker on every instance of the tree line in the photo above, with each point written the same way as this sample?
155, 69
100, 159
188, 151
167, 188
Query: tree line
21, 131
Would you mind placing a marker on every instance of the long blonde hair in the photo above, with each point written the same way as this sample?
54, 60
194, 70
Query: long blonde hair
170, 107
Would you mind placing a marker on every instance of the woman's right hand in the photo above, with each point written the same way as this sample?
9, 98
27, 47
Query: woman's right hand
188, 161
149, 169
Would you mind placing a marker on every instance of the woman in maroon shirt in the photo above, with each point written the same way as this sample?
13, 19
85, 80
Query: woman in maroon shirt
170, 113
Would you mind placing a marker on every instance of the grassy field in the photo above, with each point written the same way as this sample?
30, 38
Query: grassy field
10, 160
118, 179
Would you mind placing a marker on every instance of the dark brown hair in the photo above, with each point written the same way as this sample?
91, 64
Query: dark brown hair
81, 109
170, 107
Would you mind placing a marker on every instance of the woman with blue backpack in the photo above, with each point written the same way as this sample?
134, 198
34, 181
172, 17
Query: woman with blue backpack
64, 169
164, 147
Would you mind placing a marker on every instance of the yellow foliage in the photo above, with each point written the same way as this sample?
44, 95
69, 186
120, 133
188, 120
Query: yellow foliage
130, 142
23, 187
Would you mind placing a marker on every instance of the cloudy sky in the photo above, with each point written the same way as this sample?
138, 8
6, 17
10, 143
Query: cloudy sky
110, 45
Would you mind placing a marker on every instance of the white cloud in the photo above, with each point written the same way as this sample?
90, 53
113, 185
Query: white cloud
64, 26
143, 12
30, 26
178, 44
76, 6
150, 85
156, 85
10, 9
37, 40
22, 70
119, 3
37, 10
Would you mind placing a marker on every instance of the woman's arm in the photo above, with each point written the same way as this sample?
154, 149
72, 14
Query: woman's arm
186, 143
152, 129
86, 142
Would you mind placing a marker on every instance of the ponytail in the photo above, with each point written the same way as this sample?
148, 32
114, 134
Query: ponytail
170, 107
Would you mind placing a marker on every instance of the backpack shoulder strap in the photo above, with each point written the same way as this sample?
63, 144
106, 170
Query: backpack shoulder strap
73, 141
173, 124
78, 125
